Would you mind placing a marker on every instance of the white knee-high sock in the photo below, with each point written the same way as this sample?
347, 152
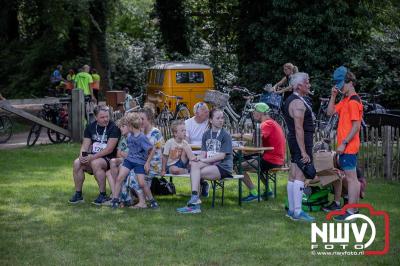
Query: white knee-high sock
298, 195
290, 195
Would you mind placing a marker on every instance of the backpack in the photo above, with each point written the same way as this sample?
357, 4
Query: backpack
160, 186
313, 199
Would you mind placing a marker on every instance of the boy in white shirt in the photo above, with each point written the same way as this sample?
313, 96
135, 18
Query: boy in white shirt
177, 152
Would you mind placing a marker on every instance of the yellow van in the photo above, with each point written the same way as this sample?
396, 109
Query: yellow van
187, 80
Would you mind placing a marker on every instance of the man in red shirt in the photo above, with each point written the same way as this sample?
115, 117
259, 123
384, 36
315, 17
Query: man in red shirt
350, 111
272, 136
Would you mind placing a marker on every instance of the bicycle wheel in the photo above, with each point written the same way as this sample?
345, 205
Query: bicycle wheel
183, 113
34, 134
246, 124
163, 122
55, 137
280, 120
5, 128
228, 125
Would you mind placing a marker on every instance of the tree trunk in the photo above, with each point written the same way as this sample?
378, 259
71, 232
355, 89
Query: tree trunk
9, 25
98, 12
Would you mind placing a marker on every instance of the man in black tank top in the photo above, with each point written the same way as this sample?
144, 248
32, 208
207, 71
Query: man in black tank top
299, 119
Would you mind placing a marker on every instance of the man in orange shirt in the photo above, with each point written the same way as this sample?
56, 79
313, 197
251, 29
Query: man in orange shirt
350, 111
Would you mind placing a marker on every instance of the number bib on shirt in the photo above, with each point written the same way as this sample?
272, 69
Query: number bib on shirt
211, 154
98, 147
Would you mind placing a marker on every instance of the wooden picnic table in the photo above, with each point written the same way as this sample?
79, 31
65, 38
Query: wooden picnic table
258, 151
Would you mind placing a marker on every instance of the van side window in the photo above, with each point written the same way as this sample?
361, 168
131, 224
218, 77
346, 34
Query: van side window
189, 77
160, 77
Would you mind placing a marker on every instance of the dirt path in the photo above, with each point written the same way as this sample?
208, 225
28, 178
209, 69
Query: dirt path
18, 140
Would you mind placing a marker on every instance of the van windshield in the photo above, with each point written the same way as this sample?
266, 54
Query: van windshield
189, 77
155, 77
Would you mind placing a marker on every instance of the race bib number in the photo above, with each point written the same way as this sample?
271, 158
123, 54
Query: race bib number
211, 154
97, 147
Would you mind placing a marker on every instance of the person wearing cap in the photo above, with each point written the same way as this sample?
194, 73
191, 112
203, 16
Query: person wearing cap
350, 112
83, 80
271, 136
299, 119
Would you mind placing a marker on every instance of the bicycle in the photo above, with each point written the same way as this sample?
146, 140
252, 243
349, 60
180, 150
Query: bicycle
55, 114
89, 109
6, 128
274, 101
121, 112
244, 121
326, 125
166, 116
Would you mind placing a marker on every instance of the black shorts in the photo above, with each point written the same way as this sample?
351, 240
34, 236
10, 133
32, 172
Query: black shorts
107, 162
295, 153
224, 173
266, 166
107, 159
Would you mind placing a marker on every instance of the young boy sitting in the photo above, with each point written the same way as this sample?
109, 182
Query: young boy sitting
177, 151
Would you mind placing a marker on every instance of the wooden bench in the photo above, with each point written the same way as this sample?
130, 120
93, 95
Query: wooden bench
218, 184
272, 174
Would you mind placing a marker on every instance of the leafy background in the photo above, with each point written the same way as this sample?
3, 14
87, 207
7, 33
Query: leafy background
246, 42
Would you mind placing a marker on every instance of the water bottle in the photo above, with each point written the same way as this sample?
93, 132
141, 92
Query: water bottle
257, 136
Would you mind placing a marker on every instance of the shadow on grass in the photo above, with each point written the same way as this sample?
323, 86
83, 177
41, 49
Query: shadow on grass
38, 226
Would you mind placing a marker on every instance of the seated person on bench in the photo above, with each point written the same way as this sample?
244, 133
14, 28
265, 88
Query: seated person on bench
215, 161
102, 135
271, 136
177, 151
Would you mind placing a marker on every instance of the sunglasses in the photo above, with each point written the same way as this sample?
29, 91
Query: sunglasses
198, 106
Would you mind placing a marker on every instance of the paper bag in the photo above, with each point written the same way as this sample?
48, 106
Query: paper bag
323, 160
324, 165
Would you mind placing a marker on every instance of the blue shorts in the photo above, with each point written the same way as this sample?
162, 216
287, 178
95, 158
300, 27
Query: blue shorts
178, 164
138, 168
348, 162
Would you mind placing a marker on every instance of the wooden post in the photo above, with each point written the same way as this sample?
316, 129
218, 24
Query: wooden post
77, 114
387, 152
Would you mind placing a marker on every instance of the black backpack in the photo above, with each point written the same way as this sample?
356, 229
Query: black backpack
160, 186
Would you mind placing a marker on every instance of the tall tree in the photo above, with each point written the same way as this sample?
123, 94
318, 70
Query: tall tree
173, 26
98, 12
314, 35
9, 26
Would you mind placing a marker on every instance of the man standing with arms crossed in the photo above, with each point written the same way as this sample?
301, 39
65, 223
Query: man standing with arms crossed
350, 111
299, 119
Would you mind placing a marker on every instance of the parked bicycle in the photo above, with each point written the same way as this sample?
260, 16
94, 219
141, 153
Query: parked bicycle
166, 115
6, 128
326, 125
274, 101
121, 109
244, 121
55, 114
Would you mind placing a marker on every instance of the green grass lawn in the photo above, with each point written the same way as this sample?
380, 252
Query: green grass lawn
38, 226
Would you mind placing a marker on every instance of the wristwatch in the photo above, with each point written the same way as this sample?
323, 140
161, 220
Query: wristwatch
345, 142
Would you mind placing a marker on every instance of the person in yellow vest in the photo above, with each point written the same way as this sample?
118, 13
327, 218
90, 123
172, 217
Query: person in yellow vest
83, 80
96, 83
70, 84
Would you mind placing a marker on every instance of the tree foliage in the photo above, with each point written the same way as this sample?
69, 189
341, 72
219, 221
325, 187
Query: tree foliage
173, 27
246, 42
